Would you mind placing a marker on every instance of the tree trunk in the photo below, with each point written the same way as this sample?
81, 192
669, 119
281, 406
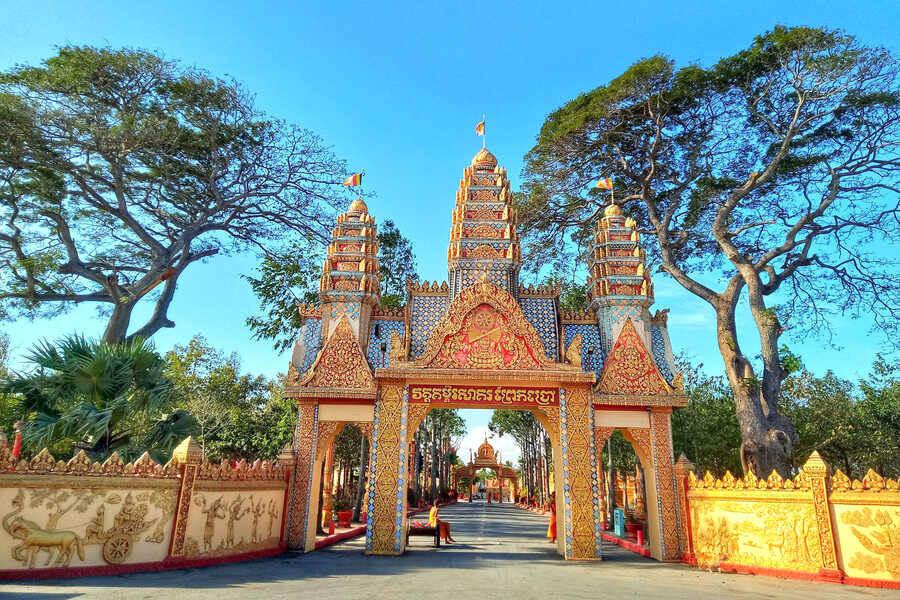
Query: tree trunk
767, 437
117, 326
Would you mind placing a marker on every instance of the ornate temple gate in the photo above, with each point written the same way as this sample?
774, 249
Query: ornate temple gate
559, 400
482, 340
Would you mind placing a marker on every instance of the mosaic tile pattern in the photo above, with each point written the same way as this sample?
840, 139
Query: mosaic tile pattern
590, 336
425, 312
567, 496
541, 313
659, 352
385, 328
370, 484
311, 334
609, 316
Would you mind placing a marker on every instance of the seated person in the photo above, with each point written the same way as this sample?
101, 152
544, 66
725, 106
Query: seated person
434, 521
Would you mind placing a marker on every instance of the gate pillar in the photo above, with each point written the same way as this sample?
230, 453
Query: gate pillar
580, 486
305, 445
666, 491
388, 477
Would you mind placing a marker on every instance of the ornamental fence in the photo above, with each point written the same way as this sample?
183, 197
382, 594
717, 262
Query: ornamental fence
78, 517
817, 526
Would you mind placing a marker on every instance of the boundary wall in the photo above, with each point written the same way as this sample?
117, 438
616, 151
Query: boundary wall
818, 526
78, 517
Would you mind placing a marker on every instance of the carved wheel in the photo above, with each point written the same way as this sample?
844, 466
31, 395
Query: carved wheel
116, 549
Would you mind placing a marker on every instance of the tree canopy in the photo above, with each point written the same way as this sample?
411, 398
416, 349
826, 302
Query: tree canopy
119, 169
100, 398
774, 174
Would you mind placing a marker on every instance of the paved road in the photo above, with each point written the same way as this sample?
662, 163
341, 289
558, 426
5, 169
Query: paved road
501, 553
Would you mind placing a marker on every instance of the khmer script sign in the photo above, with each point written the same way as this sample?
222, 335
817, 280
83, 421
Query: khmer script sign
483, 395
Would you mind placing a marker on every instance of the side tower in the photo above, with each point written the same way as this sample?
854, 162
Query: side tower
349, 286
619, 288
483, 234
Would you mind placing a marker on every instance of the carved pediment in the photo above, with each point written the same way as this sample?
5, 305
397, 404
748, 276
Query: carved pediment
630, 368
484, 328
340, 363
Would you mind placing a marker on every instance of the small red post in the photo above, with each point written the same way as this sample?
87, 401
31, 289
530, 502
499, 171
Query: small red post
330, 527
17, 444
640, 537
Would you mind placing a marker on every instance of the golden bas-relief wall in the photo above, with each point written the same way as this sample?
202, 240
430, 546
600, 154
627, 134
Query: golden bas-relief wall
823, 525
233, 522
83, 526
78, 517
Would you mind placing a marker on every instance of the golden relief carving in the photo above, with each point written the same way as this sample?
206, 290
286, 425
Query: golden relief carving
879, 534
397, 353
231, 511
630, 368
61, 545
44, 463
485, 329
485, 196
484, 214
484, 231
766, 534
340, 363
573, 352
386, 478
483, 251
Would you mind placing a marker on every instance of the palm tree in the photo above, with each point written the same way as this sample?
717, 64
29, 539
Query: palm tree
100, 398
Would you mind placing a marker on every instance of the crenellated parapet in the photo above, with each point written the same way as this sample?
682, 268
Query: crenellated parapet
541, 291
483, 231
44, 463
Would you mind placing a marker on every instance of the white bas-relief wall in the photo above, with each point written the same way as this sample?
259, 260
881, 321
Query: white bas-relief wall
224, 522
56, 525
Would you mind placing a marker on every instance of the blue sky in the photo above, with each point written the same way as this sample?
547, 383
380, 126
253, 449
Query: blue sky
397, 90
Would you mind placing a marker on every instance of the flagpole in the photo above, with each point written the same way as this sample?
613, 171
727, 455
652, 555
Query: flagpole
483, 133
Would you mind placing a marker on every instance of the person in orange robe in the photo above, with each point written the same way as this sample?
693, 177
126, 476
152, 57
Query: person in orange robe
551, 530
434, 521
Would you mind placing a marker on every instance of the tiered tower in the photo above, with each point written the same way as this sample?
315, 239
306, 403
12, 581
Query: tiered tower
619, 286
349, 285
483, 235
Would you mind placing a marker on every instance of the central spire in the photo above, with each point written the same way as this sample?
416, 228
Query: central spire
483, 238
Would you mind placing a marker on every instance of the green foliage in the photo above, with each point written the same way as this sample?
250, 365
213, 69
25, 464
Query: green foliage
100, 398
292, 276
238, 415
854, 429
707, 430
283, 281
396, 264
119, 169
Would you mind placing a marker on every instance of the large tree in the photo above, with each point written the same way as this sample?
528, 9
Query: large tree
770, 177
120, 169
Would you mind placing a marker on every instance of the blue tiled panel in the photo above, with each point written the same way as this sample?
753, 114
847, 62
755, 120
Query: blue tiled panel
384, 335
425, 313
312, 338
590, 336
541, 313
659, 352
610, 315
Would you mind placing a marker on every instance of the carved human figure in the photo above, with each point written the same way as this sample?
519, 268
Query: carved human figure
216, 510
272, 515
234, 514
257, 511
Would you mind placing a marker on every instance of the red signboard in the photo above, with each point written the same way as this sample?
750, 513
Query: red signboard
494, 396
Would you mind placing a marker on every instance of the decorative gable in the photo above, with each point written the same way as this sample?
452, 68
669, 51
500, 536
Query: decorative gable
485, 329
630, 369
340, 363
